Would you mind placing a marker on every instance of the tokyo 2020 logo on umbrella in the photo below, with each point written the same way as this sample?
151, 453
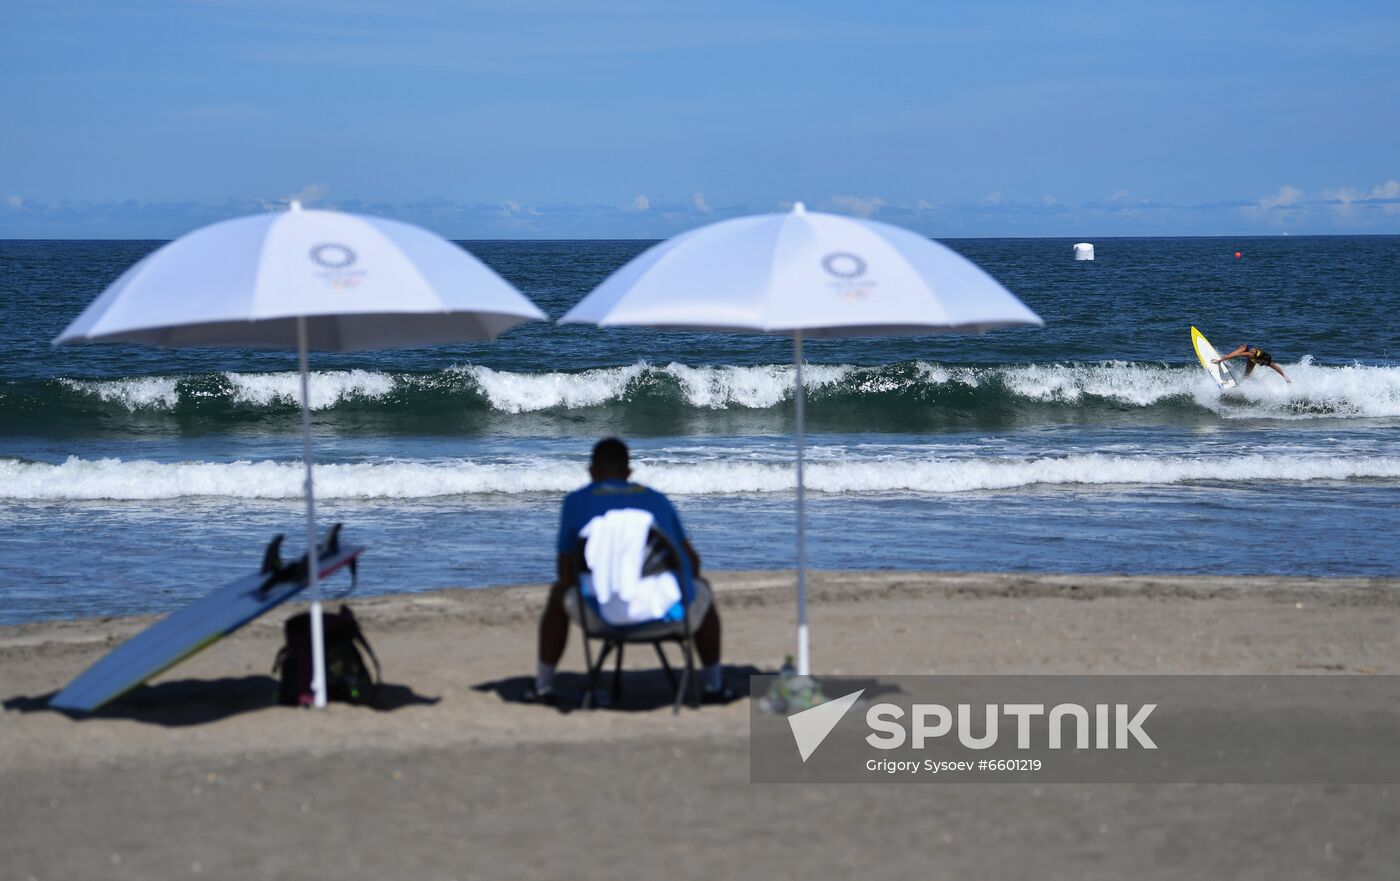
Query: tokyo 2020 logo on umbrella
336, 261
847, 271
333, 256
843, 264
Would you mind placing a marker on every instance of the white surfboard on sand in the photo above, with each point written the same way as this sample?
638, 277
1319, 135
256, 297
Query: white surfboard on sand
198, 625
1206, 352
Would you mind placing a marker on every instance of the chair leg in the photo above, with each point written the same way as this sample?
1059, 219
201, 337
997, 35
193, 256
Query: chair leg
688, 677
690, 659
588, 666
617, 676
665, 664
594, 671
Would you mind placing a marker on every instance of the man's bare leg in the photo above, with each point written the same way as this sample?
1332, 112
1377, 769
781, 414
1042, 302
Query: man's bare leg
554, 636
554, 628
707, 638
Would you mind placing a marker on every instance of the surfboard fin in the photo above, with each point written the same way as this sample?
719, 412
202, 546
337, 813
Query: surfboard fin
332, 542
272, 557
332, 546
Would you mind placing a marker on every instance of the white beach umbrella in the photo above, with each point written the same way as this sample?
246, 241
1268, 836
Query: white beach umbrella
304, 279
803, 274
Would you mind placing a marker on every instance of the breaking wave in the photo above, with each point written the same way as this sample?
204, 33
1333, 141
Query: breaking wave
897, 396
115, 479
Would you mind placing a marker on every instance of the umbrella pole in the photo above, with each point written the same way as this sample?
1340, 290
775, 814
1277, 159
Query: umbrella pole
313, 566
803, 656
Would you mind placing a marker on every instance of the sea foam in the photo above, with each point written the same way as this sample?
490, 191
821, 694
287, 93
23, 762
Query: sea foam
1355, 391
94, 479
328, 388
135, 393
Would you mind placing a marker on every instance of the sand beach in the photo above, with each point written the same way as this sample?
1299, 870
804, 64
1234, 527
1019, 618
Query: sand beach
201, 774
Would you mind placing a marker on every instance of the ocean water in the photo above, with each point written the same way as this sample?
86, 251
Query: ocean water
133, 479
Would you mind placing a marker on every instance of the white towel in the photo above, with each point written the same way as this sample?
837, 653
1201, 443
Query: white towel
616, 543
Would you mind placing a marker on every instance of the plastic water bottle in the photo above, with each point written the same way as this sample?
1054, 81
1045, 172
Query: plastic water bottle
778, 697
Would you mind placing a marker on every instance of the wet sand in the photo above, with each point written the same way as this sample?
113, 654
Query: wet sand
201, 774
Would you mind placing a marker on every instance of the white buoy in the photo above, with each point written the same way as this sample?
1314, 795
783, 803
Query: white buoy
1084, 251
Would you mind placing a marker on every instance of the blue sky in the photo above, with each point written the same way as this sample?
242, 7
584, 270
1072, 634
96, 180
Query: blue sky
539, 119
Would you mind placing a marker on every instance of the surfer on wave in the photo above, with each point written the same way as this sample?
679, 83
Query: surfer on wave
1257, 357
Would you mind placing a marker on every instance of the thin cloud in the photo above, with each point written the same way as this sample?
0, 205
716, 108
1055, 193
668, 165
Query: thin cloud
1285, 197
511, 208
310, 194
860, 206
1349, 204
1285, 206
700, 203
307, 196
1379, 193
15, 202
640, 203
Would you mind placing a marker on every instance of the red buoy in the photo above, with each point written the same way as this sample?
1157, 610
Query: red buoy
1238, 255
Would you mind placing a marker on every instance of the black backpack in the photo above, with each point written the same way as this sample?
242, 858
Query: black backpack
347, 677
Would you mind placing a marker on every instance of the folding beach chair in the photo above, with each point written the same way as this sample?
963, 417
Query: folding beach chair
661, 555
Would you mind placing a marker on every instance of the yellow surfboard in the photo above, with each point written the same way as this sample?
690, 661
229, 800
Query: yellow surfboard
1206, 352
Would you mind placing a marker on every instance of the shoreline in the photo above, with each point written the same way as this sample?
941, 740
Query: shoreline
746, 583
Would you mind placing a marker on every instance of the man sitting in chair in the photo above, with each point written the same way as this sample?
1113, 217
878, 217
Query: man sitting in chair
611, 490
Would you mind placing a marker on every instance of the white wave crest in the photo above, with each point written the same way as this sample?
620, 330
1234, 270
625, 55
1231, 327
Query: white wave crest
530, 392
115, 479
135, 393
328, 388
711, 388
758, 387
1138, 385
1315, 391
1354, 391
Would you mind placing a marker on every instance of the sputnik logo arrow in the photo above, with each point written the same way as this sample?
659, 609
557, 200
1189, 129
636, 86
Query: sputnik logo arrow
810, 727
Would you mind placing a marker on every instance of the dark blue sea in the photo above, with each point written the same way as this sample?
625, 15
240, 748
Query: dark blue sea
133, 479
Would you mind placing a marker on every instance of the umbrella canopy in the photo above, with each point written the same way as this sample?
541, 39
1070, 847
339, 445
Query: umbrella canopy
359, 283
823, 275
800, 274
304, 280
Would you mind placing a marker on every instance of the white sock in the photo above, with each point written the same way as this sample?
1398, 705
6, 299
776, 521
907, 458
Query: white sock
544, 677
712, 677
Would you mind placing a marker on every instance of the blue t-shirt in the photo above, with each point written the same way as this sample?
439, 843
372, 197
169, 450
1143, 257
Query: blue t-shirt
582, 505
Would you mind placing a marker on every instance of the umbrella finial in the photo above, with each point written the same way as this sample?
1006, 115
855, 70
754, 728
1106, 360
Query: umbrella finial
294, 205
799, 208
